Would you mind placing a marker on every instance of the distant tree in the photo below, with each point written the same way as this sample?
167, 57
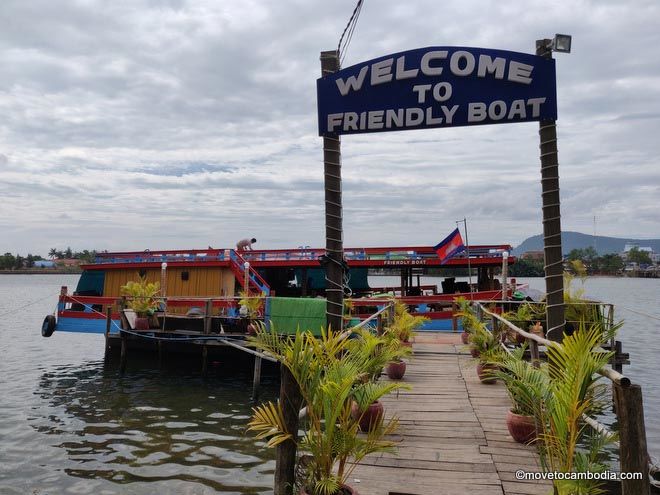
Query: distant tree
86, 255
576, 254
639, 257
29, 261
610, 264
19, 262
52, 253
7, 261
68, 254
527, 268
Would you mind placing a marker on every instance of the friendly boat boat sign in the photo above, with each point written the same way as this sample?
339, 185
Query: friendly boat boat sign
437, 87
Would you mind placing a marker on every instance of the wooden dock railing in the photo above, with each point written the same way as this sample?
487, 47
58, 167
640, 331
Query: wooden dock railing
628, 407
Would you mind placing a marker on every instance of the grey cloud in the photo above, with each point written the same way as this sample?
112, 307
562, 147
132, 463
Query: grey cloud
202, 115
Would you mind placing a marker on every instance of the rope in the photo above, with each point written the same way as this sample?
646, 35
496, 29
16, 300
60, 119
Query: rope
28, 304
641, 313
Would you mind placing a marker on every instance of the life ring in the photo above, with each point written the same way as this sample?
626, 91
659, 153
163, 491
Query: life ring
48, 326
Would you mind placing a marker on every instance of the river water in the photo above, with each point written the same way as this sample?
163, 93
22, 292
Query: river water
70, 424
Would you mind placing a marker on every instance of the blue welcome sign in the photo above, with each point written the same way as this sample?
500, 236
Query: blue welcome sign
437, 87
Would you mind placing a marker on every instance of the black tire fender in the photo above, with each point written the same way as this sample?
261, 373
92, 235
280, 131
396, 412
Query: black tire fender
48, 326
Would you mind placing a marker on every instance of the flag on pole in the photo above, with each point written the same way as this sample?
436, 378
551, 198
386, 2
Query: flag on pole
450, 246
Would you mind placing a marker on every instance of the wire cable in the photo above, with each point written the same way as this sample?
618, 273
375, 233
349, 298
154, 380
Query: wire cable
348, 31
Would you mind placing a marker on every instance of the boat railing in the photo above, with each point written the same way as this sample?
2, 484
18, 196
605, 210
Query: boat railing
298, 254
626, 396
246, 274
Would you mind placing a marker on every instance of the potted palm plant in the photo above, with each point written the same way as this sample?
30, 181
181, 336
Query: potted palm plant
396, 367
404, 324
527, 387
485, 345
469, 319
397, 336
142, 299
251, 307
565, 443
374, 353
330, 375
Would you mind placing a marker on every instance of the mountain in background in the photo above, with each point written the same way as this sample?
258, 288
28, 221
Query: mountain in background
577, 240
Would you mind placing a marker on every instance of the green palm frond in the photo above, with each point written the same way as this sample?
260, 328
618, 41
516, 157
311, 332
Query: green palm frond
268, 422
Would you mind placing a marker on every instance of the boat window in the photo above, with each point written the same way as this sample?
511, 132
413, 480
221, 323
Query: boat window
91, 283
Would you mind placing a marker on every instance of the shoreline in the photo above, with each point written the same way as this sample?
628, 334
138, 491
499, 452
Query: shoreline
41, 272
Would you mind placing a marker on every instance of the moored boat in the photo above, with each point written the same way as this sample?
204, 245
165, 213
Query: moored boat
192, 279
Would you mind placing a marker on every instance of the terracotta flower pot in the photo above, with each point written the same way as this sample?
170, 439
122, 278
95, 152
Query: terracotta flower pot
142, 323
484, 371
522, 428
474, 352
396, 369
343, 490
370, 416
464, 337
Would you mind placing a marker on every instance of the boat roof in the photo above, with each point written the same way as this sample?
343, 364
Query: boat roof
401, 256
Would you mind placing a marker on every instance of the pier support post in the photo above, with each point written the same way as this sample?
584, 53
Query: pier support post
256, 378
334, 236
633, 454
122, 358
208, 314
554, 264
534, 353
285, 462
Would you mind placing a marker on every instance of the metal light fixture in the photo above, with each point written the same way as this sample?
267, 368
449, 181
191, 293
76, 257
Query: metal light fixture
562, 43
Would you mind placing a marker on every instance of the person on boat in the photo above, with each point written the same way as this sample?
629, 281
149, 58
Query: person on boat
245, 244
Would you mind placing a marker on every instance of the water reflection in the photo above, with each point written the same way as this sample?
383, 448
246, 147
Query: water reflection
153, 431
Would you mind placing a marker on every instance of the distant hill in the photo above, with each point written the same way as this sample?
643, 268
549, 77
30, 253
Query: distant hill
577, 240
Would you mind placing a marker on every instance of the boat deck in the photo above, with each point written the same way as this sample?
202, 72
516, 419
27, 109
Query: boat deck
452, 430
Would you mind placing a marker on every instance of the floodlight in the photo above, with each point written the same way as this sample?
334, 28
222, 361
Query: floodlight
561, 43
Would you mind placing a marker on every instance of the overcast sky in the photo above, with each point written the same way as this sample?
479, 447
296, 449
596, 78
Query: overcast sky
178, 124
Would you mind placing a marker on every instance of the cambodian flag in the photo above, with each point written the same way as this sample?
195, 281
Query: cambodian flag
450, 246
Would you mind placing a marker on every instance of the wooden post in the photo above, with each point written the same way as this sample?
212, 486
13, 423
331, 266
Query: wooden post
108, 320
534, 353
334, 235
505, 276
256, 378
554, 265
122, 358
454, 319
379, 324
390, 315
208, 320
285, 461
633, 454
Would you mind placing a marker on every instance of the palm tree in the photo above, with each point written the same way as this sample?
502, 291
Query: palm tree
330, 372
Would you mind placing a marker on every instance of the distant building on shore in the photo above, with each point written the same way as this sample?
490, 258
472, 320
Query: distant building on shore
532, 255
68, 262
44, 264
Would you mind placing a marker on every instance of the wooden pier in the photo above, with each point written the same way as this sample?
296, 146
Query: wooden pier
453, 436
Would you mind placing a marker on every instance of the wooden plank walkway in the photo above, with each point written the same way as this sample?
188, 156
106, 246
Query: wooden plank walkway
453, 436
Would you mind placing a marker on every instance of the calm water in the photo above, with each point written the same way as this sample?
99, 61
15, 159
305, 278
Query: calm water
70, 424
